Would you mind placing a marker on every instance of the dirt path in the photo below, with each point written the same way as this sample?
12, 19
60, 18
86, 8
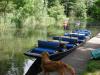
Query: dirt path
81, 55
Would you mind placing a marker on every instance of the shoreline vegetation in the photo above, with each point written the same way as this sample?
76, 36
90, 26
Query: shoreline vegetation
93, 68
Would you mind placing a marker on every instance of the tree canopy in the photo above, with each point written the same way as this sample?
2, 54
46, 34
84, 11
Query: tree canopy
32, 13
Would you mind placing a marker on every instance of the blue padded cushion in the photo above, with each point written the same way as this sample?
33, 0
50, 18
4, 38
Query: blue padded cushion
83, 31
80, 41
69, 34
40, 50
80, 36
69, 46
48, 44
71, 40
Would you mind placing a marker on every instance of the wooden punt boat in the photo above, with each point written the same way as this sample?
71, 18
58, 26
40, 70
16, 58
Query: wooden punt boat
35, 69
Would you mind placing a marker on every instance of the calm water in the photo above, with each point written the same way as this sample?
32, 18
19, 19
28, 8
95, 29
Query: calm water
12, 59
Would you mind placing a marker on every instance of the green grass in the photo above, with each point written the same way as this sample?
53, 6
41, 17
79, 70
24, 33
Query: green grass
93, 68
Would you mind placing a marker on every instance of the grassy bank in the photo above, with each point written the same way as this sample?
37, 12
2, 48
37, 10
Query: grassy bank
93, 68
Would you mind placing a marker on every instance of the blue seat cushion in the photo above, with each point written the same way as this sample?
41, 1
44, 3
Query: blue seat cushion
69, 46
79, 36
80, 41
40, 50
70, 40
83, 31
48, 44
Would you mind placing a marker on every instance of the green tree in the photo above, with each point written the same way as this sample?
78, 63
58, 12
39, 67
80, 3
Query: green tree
57, 12
68, 6
95, 10
81, 9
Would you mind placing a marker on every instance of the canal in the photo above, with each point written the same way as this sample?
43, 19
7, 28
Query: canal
12, 58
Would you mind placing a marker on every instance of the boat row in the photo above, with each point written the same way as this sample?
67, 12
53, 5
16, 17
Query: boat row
60, 46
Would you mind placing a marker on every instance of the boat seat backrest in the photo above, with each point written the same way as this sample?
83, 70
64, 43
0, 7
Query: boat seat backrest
48, 44
69, 46
70, 40
40, 50
79, 36
86, 32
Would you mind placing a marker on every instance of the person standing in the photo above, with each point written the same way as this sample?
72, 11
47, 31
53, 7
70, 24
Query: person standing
65, 24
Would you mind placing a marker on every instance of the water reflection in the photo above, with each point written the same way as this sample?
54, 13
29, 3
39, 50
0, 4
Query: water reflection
13, 70
12, 59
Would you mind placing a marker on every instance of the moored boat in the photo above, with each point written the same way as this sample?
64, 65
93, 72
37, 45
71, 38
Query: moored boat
51, 48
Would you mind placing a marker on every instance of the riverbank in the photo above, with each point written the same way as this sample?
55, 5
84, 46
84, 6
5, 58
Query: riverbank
80, 57
93, 66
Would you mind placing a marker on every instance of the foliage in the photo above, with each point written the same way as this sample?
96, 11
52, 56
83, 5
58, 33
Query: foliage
93, 68
93, 65
96, 12
81, 9
32, 13
56, 10
68, 6
23, 22
93, 9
